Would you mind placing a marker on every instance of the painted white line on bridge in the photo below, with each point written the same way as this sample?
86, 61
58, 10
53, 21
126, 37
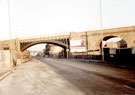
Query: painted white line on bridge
128, 87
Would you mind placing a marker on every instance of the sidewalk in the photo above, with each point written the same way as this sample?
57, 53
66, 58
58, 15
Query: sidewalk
6, 71
3, 69
2, 72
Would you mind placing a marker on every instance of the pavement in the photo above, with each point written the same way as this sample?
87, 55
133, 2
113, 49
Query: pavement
34, 78
2, 71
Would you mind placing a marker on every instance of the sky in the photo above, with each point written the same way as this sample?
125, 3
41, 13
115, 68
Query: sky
38, 47
31, 18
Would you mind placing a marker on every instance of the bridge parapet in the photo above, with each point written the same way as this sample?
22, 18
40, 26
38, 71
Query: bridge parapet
46, 37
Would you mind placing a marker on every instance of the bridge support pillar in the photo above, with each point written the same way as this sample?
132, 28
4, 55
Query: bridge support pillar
19, 58
67, 50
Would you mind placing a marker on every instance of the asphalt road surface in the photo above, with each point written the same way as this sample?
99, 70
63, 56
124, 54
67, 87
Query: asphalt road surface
47, 76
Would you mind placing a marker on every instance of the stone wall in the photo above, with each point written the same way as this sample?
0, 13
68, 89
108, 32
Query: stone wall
5, 60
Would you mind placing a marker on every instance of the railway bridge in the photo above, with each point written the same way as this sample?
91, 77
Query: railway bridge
95, 40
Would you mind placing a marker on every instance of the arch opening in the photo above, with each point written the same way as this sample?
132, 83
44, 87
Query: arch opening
114, 48
113, 42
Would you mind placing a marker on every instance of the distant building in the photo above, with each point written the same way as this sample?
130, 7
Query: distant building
53, 50
34, 53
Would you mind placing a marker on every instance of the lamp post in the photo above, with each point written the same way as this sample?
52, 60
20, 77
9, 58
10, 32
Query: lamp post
9, 22
86, 45
101, 27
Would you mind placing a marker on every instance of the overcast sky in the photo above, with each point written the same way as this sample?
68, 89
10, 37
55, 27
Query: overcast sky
31, 18
39, 17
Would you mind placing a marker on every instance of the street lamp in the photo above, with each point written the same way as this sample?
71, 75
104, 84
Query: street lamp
101, 27
9, 22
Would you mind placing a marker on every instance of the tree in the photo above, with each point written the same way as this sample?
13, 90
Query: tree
47, 50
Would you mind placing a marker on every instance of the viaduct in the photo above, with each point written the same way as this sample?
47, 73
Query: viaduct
94, 40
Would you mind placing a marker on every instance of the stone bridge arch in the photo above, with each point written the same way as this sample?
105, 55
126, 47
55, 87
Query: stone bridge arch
64, 43
26, 45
